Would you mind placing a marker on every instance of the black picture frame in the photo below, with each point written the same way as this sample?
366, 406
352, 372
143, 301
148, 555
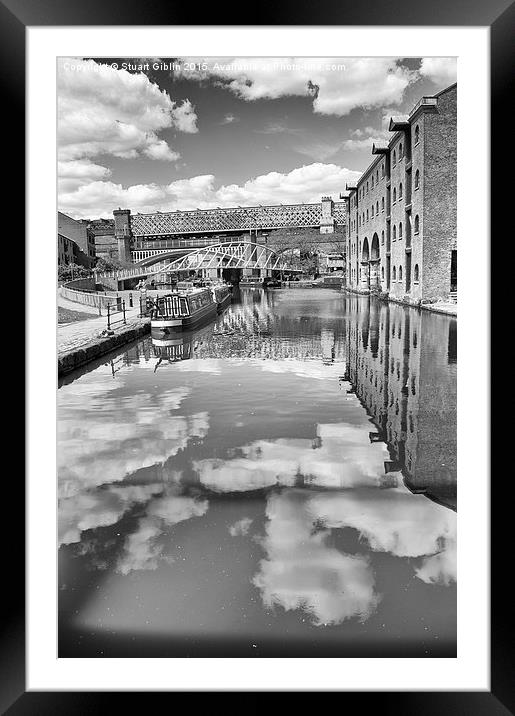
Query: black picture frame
499, 16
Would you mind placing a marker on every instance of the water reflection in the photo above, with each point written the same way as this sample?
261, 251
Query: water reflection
254, 481
402, 366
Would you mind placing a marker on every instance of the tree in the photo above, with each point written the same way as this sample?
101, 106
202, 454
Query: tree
67, 272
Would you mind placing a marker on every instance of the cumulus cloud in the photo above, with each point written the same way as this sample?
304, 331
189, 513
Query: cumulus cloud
142, 549
440, 568
99, 508
302, 571
121, 440
240, 528
107, 111
230, 119
336, 86
440, 70
303, 184
340, 457
398, 522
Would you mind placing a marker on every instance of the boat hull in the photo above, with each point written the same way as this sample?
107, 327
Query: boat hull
222, 305
185, 323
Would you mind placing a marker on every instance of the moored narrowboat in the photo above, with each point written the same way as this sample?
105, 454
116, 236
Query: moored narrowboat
222, 295
251, 282
183, 309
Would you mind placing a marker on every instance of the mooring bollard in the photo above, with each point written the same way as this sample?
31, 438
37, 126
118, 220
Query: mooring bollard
123, 308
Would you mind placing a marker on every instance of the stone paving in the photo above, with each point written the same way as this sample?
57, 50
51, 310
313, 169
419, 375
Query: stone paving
77, 334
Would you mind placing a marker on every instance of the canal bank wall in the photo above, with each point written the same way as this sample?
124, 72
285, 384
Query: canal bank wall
447, 309
70, 360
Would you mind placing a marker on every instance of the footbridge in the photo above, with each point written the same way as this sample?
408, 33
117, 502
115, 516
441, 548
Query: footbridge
209, 261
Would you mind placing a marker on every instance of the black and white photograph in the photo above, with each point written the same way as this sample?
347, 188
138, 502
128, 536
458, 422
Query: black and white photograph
257, 299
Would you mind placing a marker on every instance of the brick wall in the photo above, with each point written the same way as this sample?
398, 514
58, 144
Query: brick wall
439, 189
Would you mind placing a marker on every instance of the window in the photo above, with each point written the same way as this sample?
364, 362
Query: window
400, 230
417, 135
394, 274
382, 171
372, 181
367, 187
400, 273
377, 176
394, 232
367, 214
394, 195
417, 179
415, 278
400, 151
382, 204
382, 238
382, 273
417, 224
372, 211
400, 191
394, 158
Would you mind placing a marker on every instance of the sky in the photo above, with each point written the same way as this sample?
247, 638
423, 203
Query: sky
161, 134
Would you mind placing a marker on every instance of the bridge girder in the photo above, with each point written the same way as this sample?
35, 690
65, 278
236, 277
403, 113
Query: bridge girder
232, 254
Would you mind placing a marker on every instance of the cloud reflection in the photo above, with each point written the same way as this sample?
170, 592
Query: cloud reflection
303, 572
142, 551
129, 433
340, 456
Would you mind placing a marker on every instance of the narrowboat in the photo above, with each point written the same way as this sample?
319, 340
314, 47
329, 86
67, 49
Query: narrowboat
222, 296
251, 282
183, 309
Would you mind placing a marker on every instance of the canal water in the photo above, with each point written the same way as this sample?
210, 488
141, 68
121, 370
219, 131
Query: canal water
280, 483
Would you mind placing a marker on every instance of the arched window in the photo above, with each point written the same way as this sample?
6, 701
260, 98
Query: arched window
367, 187
382, 238
400, 191
400, 273
372, 211
400, 230
382, 170
394, 158
417, 134
415, 273
382, 273
394, 195
377, 207
394, 274
394, 232
372, 182
377, 176
382, 203
417, 179
367, 214
400, 151
417, 224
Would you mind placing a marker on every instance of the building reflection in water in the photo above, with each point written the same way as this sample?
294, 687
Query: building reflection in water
405, 377
255, 478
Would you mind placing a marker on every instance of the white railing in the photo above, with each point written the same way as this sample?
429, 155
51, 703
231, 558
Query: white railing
232, 254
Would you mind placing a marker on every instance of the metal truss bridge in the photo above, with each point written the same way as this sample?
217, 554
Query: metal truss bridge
228, 255
233, 219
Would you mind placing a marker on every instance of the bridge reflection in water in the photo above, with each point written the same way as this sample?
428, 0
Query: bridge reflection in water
249, 490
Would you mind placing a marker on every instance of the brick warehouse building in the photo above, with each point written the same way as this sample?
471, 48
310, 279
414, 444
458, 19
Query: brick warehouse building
401, 238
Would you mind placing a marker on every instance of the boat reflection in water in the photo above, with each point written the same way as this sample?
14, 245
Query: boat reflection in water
178, 346
266, 493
